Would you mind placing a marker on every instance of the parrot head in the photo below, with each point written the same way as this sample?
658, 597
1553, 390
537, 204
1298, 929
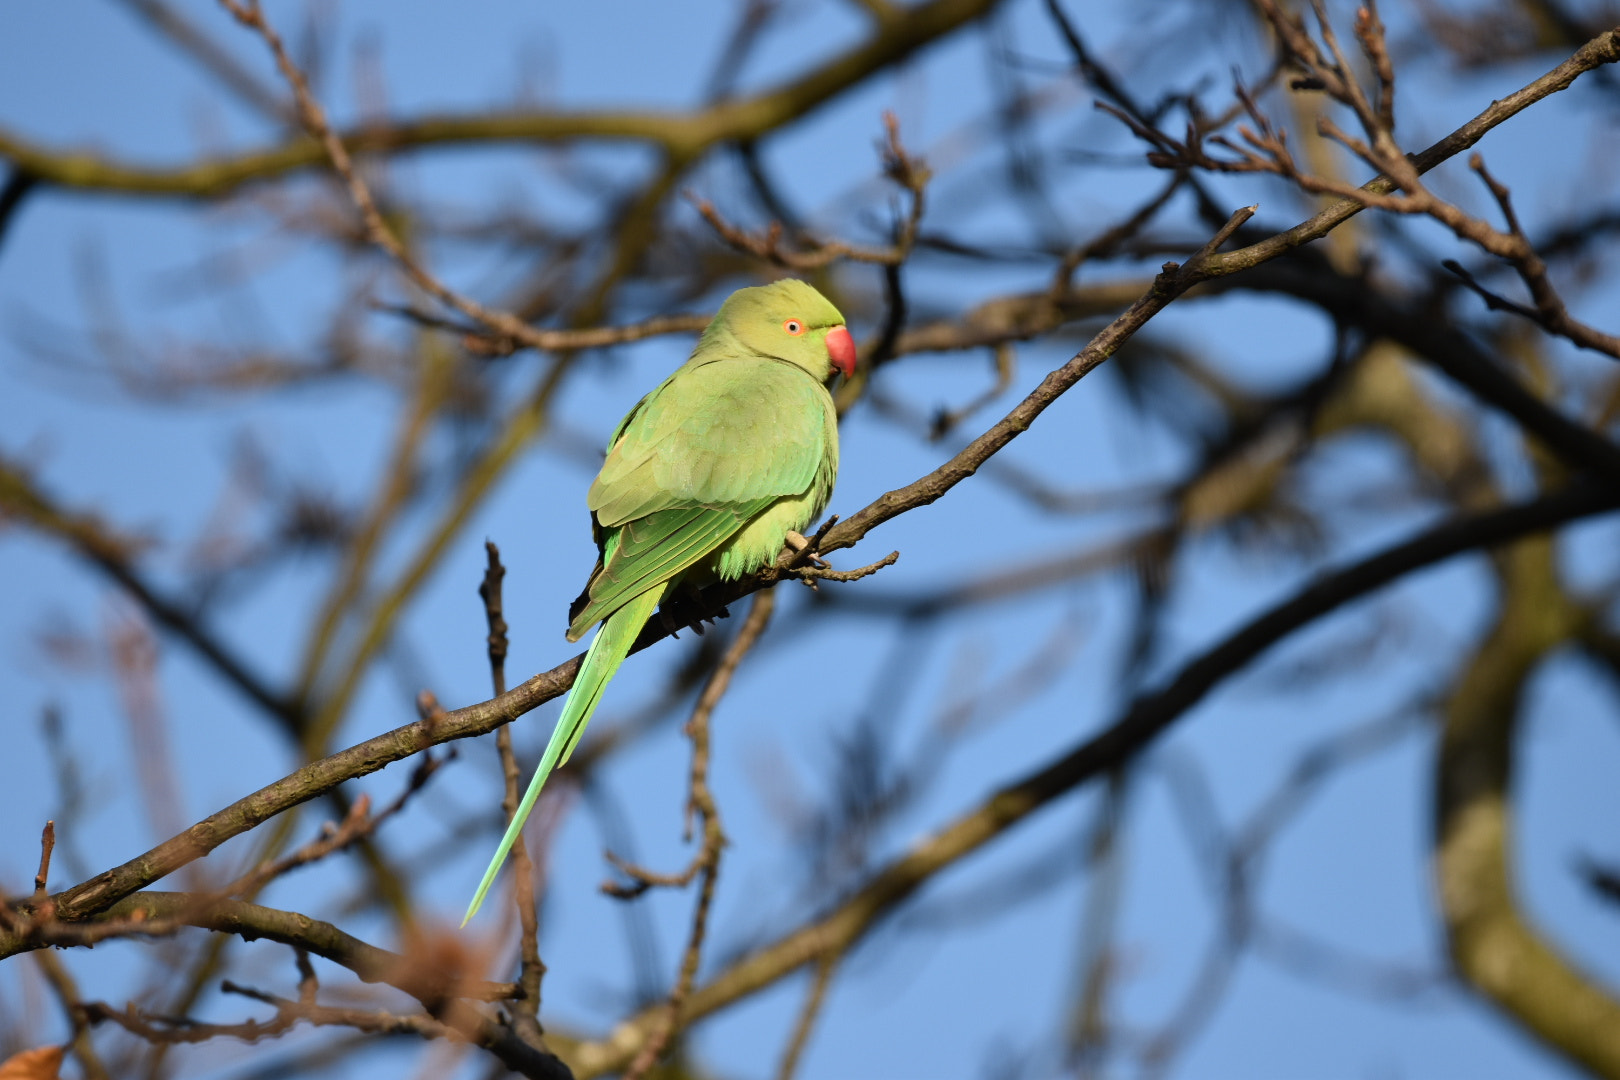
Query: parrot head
791, 321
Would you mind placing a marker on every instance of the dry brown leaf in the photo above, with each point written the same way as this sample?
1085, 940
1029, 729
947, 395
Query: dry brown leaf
41, 1063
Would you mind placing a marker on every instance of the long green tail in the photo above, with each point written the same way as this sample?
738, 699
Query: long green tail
608, 650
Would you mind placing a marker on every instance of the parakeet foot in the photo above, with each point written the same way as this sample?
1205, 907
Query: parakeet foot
798, 543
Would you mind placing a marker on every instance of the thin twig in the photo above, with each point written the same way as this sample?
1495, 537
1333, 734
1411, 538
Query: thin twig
531, 970
250, 14
66, 990
1265, 149
47, 843
481, 341
812, 574
358, 825
288, 1015
700, 800
910, 173
809, 1012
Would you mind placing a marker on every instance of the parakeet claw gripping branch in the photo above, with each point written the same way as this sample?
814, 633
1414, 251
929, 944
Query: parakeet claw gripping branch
705, 480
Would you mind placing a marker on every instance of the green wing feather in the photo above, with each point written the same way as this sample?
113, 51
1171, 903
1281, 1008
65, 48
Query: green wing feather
717, 446
688, 536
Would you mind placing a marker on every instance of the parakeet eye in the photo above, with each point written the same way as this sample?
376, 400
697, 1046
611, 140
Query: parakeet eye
794, 326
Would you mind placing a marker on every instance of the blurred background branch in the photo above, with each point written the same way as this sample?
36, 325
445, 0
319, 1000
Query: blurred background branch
1254, 651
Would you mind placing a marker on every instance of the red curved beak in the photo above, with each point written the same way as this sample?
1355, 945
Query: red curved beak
841, 350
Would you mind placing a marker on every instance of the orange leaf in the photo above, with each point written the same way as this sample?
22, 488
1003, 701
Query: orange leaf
41, 1063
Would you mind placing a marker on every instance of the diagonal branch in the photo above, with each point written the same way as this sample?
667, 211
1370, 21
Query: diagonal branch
1147, 718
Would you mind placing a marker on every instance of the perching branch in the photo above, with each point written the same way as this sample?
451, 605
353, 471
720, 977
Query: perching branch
1141, 724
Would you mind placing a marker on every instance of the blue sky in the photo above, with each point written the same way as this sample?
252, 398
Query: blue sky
914, 1001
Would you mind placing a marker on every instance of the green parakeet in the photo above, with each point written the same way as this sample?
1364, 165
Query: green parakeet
703, 481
